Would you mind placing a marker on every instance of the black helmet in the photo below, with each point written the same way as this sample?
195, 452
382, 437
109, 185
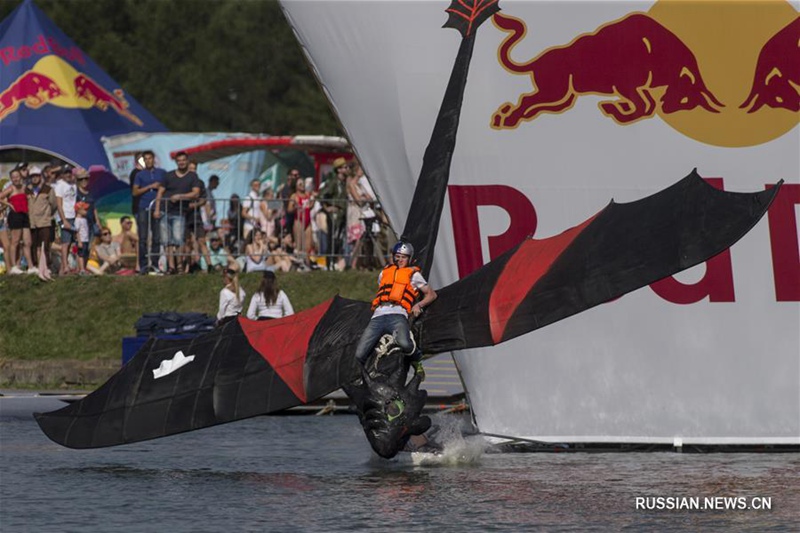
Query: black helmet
403, 248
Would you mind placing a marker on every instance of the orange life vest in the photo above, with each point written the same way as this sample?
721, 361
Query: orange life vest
396, 287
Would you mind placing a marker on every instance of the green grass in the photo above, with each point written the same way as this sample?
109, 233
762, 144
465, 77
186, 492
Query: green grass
86, 318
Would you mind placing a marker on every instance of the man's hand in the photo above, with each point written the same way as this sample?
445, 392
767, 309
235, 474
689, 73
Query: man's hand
416, 310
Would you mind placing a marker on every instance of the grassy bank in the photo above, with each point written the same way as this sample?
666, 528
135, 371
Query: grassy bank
77, 318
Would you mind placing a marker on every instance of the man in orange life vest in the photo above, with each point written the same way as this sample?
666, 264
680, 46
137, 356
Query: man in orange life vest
400, 284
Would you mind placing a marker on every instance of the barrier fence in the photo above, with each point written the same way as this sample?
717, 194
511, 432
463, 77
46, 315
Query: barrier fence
282, 234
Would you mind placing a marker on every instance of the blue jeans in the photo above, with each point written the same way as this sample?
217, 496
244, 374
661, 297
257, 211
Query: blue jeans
173, 229
396, 325
146, 226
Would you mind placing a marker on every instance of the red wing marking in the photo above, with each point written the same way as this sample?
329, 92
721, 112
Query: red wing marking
531, 261
283, 343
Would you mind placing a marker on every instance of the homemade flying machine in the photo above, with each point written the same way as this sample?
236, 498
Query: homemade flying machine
246, 368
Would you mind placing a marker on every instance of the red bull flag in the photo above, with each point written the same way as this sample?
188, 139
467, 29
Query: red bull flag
54, 98
566, 106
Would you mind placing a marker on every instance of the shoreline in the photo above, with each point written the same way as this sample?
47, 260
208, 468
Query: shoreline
56, 374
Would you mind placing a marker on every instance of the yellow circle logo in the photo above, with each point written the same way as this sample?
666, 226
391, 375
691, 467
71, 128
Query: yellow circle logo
749, 57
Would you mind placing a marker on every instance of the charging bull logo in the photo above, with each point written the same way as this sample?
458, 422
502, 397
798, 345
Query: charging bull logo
722, 73
631, 59
777, 79
88, 90
32, 89
54, 81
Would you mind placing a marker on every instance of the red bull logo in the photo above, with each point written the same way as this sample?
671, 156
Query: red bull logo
723, 73
88, 90
32, 89
777, 79
54, 81
629, 59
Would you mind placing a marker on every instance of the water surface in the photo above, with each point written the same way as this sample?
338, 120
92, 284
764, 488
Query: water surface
309, 473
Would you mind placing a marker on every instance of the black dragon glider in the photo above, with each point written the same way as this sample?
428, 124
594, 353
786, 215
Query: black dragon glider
245, 368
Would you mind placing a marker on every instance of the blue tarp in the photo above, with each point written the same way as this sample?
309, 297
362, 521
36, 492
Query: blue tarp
54, 98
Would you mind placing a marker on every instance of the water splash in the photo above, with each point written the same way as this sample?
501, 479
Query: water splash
458, 446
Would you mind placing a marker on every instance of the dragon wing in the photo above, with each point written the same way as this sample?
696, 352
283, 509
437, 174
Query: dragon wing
241, 369
618, 250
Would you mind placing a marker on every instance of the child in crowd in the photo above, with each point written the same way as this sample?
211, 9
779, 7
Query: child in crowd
82, 235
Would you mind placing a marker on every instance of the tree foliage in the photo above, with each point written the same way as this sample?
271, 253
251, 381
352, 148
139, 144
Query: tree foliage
200, 65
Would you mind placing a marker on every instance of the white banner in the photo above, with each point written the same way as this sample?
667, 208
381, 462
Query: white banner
590, 101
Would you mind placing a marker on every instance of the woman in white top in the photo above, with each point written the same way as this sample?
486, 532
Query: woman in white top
256, 252
231, 297
269, 302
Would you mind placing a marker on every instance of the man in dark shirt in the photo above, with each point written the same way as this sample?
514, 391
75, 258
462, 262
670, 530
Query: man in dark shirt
179, 187
145, 189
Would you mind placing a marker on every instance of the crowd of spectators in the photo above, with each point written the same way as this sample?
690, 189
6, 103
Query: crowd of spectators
49, 223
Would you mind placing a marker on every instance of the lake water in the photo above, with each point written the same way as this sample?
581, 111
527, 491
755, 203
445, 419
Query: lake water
306, 473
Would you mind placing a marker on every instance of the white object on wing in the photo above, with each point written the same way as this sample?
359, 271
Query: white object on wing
168, 366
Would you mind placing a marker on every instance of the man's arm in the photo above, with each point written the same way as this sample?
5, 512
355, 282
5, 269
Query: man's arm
51, 198
429, 295
159, 195
192, 195
139, 190
60, 206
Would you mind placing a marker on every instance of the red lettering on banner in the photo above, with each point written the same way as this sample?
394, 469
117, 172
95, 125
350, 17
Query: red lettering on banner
783, 233
41, 46
716, 283
464, 203
6, 55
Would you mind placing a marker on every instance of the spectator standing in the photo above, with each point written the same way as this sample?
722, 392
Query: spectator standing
196, 226
23, 170
138, 164
41, 206
270, 301
4, 236
268, 212
66, 194
50, 174
235, 225
83, 195
179, 187
285, 191
288, 187
357, 201
231, 297
128, 242
250, 207
211, 203
333, 196
300, 203
82, 235
15, 198
145, 187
